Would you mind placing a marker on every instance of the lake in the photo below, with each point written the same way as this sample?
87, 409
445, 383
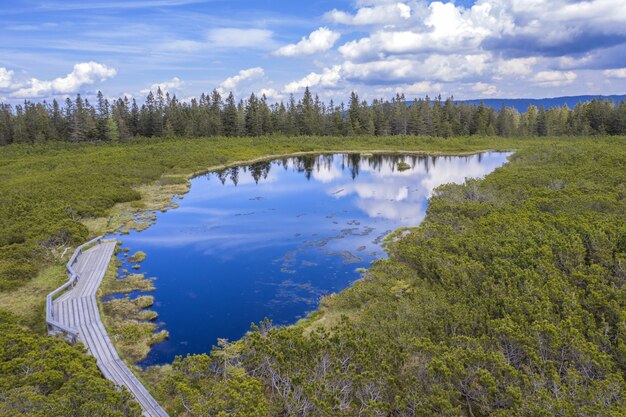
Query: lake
270, 239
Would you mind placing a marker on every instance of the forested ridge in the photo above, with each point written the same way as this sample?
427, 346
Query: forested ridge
211, 114
509, 300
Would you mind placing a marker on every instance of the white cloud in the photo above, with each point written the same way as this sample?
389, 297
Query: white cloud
224, 38
318, 41
568, 62
445, 68
381, 14
554, 78
184, 45
231, 82
116, 4
6, 78
413, 41
328, 78
421, 88
616, 73
172, 85
445, 29
270, 93
518, 66
84, 73
485, 89
241, 38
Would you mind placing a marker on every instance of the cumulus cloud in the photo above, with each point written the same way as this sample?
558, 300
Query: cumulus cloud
446, 28
85, 73
568, 27
485, 89
554, 78
6, 78
420, 88
270, 93
491, 40
379, 14
613, 73
318, 41
445, 68
518, 66
240, 38
172, 85
328, 78
231, 83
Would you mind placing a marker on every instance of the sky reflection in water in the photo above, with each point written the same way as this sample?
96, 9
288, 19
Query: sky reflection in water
270, 239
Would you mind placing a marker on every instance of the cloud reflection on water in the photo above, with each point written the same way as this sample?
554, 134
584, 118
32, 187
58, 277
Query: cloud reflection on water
268, 240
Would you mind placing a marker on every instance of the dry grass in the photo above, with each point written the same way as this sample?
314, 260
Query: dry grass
28, 303
139, 215
129, 322
131, 326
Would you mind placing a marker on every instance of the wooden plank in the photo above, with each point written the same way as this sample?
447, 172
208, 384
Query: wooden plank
77, 309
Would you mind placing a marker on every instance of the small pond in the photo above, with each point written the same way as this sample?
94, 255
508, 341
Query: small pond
270, 239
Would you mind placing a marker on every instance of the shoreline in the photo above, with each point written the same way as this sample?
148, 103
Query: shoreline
143, 286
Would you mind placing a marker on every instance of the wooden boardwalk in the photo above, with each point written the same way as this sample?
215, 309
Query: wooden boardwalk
75, 314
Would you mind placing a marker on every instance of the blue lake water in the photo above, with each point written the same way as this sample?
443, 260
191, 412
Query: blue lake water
269, 240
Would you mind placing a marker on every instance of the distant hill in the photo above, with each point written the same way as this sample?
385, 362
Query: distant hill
521, 104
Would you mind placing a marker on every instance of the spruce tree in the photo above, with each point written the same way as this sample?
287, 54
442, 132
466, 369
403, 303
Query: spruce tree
230, 124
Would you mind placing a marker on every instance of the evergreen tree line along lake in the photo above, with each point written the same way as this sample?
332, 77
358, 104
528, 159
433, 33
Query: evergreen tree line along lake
272, 238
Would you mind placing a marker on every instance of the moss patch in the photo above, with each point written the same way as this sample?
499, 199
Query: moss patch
403, 166
131, 327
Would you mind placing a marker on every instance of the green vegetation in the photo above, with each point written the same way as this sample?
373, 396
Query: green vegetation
403, 166
508, 300
45, 377
132, 327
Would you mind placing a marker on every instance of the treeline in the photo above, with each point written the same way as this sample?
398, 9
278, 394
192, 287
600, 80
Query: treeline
211, 115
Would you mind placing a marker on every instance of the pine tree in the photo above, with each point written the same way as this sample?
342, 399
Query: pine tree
230, 124
253, 124
6, 124
354, 115
215, 114
541, 128
307, 115
102, 116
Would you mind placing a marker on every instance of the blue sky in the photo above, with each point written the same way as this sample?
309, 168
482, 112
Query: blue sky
469, 49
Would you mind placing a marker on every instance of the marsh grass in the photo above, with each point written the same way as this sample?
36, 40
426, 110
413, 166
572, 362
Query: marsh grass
129, 322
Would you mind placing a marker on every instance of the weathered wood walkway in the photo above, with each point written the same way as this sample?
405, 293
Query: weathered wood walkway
75, 314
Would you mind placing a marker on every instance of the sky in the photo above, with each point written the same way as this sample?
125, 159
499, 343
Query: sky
466, 49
